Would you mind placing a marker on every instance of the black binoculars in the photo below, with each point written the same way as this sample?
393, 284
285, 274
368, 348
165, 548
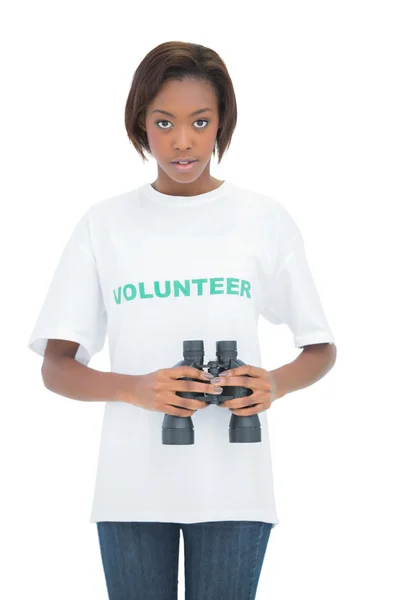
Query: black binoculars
179, 430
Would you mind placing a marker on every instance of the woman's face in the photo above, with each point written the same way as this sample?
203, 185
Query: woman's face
180, 133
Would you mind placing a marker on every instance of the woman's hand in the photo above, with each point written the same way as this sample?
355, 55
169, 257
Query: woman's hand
259, 381
157, 390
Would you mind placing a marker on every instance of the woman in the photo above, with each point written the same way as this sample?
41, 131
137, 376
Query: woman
187, 257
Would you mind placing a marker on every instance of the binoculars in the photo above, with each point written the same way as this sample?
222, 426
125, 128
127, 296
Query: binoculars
179, 430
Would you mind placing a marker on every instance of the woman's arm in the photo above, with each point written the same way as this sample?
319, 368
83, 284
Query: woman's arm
311, 365
64, 375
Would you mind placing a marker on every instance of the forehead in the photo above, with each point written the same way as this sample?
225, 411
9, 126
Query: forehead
184, 97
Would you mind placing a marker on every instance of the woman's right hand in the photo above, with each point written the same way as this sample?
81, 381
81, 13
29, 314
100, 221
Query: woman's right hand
156, 390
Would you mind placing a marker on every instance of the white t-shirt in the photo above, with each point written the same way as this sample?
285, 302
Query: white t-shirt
150, 271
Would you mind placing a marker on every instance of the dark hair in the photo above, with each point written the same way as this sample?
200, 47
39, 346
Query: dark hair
178, 61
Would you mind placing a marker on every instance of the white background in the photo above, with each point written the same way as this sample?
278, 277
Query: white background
318, 129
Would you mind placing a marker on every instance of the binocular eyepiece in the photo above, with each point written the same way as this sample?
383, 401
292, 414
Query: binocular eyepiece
179, 430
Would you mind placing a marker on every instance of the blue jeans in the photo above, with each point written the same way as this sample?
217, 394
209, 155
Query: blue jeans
223, 559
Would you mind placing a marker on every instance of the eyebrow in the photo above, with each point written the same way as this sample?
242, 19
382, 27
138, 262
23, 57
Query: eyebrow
196, 112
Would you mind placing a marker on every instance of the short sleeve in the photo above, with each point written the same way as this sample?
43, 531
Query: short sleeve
73, 308
290, 295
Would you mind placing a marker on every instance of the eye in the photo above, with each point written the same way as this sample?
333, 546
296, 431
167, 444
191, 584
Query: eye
198, 120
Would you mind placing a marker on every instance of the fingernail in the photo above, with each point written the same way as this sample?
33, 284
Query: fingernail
216, 380
224, 373
218, 389
208, 375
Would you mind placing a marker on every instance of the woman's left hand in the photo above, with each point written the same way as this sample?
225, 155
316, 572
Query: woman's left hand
259, 381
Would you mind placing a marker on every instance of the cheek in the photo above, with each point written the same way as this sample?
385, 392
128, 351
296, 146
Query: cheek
156, 142
211, 139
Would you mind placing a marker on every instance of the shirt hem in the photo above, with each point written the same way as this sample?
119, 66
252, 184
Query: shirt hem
206, 516
313, 338
38, 341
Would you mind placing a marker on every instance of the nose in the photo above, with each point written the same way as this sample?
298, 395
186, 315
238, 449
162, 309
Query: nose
182, 139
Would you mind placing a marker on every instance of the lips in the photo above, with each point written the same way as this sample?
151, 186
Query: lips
188, 161
183, 168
